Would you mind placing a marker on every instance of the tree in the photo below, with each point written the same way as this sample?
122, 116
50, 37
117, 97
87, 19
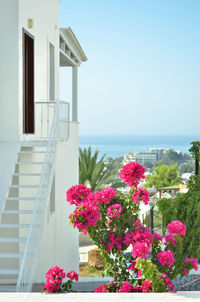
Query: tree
187, 167
92, 172
163, 176
185, 207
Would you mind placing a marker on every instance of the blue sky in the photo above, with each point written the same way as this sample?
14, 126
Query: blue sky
143, 70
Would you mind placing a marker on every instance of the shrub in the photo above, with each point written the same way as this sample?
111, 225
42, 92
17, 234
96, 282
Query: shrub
111, 221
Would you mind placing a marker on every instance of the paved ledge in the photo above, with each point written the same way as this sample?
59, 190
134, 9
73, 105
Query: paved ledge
83, 297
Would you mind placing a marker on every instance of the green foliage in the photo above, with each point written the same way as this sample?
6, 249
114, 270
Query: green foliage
113, 178
150, 272
187, 167
172, 156
163, 176
92, 172
99, 173
195, 149
186, 208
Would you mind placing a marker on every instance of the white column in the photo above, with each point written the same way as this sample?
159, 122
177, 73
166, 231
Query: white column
74, 94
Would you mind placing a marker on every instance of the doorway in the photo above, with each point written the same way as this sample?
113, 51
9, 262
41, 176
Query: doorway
28, 83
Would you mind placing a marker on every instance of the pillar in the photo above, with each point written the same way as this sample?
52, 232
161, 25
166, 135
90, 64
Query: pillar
74, 94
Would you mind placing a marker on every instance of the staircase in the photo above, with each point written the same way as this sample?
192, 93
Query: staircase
23, 212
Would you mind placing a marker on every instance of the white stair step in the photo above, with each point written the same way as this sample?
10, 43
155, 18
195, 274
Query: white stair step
29, 163
12, 240
8, 287
23, 186
17, 212
11, 255
20, 198
31, 152
14, 225
26, 174
9, 271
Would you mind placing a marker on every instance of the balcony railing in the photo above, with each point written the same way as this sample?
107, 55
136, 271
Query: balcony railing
44, 116
44, 113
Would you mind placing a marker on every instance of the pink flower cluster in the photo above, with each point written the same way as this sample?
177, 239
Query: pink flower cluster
146, 286
141, 239
141, 194
114, 210
111, 242
54, 278
166, 258
78, 194
72, 275
140, 250
170, 238
107, 194
132, 173
141, 234
193, 261
168, 282
125, 288
177, 228
104, 288
157, 237
84, 216
101, 289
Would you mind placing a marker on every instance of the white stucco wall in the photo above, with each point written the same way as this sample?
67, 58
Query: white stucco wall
9, 62
14, 16
59, 241
45, 15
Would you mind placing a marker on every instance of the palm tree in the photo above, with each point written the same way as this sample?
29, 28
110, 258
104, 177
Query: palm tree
93, 172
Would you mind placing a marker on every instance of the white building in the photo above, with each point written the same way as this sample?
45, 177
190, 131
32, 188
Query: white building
38, 143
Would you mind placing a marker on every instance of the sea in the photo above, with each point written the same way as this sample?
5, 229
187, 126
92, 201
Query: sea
117, 145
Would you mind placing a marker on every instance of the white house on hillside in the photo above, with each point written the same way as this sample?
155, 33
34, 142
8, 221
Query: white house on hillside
38, 143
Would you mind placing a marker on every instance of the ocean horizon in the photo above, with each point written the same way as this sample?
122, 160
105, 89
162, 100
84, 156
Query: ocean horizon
117, 145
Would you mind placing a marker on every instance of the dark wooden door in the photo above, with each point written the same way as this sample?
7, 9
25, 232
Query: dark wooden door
29, 126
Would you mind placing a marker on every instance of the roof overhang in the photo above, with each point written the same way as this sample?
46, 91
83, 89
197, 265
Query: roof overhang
71, 52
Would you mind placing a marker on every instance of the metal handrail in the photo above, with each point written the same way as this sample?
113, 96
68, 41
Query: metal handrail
45, 115
28, 262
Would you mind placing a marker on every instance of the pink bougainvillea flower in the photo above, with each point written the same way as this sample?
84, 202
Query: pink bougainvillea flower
107, 194
170, 238
101, 289
194, 263
54, 278
125, 288
157, 237
140, 250
131, 266
146, 286
84, 216
164, 276
132, 173
166, 258
169, 283
72, 275
141, 194
139, 274
185, 271
78, 194
114, 210
176, 228
55, 275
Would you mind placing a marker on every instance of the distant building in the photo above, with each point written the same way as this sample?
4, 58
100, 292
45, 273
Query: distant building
128, 157
146, 157
159, 152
